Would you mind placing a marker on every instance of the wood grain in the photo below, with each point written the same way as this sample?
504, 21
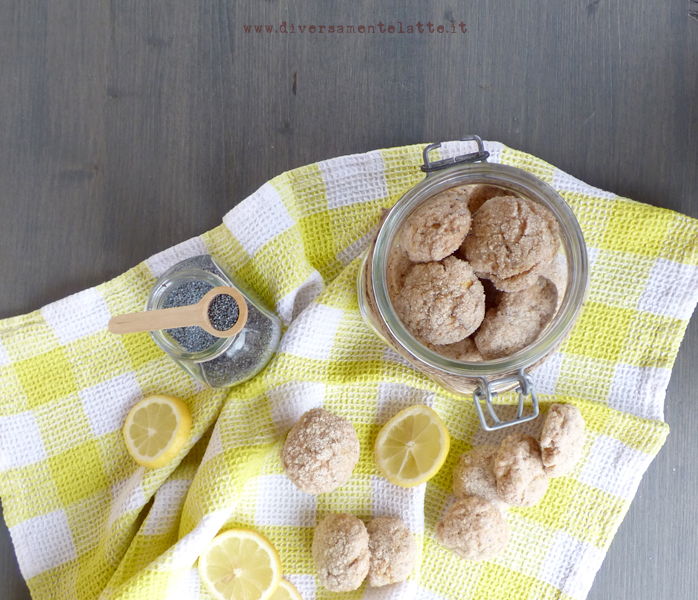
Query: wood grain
127, 127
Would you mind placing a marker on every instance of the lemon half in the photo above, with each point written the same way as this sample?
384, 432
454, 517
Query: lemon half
286, 591
412, 447
156, 430
240, 564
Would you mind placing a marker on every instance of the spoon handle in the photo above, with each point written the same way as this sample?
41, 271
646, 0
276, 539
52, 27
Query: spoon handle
150, 320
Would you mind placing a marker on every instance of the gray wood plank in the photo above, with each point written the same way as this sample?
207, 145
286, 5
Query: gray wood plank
127, 127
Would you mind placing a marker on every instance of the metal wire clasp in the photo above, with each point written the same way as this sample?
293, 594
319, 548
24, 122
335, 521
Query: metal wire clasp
485, 392
480, 155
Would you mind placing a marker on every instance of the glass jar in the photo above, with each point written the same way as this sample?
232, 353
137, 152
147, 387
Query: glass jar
217, 362
487, 379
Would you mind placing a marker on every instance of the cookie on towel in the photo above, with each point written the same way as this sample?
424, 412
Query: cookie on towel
562, 439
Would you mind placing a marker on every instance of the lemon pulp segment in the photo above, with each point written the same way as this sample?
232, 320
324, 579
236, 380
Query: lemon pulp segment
412, 446
240, 565
152, 428
156, 429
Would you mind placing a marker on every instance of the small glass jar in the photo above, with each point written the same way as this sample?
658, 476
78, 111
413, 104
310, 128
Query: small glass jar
217, 362
486, 379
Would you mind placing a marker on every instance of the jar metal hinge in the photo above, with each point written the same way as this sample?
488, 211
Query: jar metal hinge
485, 394
480, 156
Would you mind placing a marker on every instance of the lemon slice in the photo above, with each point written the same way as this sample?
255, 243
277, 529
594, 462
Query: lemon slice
285, 591
412, 446
240, 564
156, 429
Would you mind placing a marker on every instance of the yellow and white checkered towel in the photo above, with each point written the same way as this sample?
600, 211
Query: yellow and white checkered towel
88, 522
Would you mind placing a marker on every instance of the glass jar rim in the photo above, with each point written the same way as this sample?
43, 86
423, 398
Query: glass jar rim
571, 237
156, 300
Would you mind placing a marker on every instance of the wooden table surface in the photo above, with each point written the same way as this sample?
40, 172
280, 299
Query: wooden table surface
127, 127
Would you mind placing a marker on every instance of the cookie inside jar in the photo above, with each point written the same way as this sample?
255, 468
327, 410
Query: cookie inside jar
476, 272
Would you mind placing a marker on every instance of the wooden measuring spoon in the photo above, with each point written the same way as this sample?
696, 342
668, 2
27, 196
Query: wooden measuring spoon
182, 316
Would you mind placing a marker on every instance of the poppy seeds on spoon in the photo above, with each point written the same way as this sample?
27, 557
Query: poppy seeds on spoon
223, 312
192, 339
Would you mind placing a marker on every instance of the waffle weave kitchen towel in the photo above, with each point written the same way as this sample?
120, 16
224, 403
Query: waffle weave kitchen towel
87, 522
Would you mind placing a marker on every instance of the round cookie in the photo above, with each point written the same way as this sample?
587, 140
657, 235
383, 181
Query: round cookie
521, 479
441, 302
474, 195
474, 476
556, 273
399, 266
481, 193
519, 282
474, 529
436, 229
393, 551
320, 452
562, 439
517, 320
465, 350
340, 552
510, 236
